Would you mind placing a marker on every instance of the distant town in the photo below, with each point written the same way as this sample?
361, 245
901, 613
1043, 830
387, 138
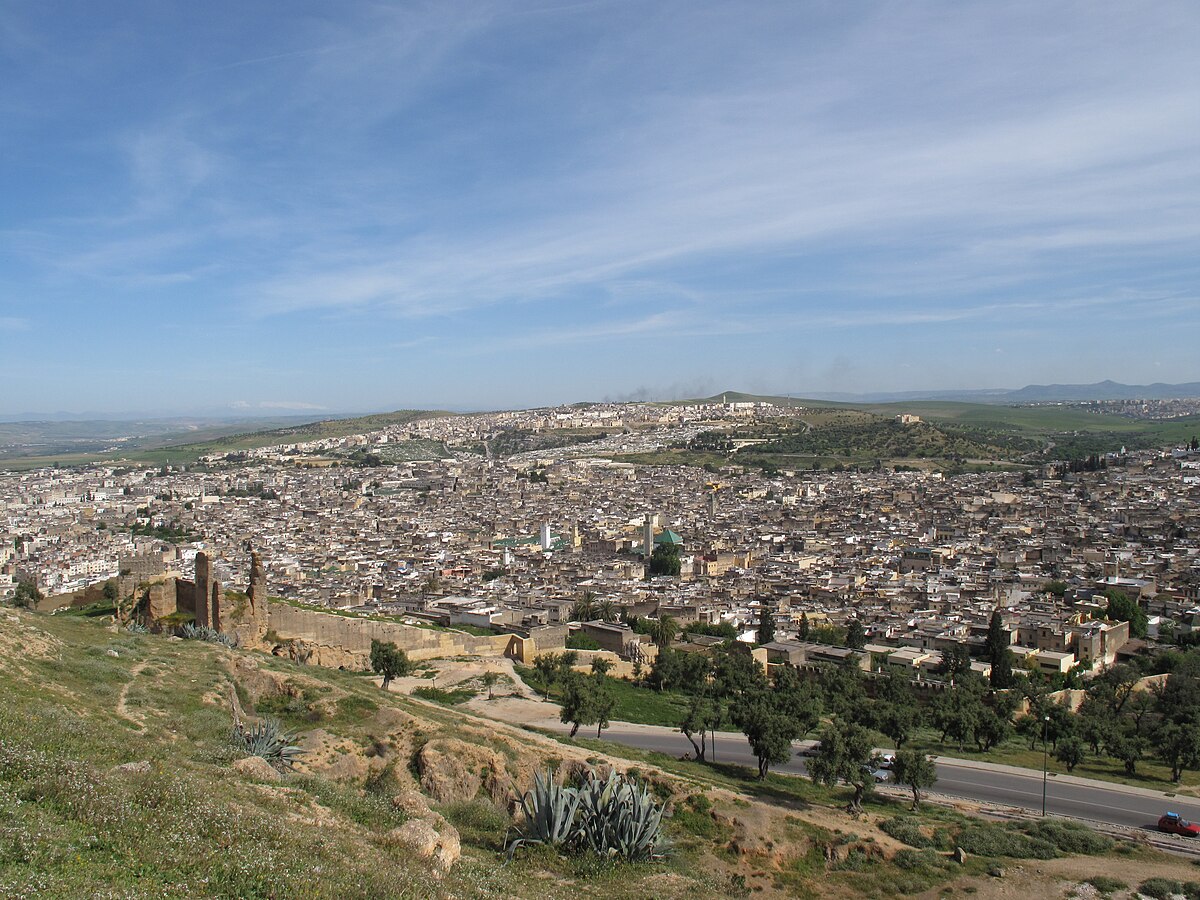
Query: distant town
426, 523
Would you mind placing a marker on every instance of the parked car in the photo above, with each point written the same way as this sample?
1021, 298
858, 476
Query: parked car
881, 775
1173, 823
887, 760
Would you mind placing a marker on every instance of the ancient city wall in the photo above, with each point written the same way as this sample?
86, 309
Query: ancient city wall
344, 641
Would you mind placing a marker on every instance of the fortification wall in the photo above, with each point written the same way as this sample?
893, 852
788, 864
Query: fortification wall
344, 641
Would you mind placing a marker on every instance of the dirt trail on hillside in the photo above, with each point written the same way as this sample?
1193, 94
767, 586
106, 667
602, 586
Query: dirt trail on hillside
137, 720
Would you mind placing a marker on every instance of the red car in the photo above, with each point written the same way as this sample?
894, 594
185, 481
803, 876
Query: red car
1173, 823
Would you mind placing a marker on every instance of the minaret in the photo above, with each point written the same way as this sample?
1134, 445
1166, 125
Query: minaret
648, 536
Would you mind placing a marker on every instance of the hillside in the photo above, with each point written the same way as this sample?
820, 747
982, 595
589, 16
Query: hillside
118, 778
185, 448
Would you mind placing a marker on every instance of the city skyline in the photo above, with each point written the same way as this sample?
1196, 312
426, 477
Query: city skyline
497, 206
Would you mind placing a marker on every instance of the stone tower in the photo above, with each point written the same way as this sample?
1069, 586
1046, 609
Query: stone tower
203, 592
258, 590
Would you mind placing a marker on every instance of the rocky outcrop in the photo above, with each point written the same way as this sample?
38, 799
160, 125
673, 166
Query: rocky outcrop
452, 770
431, 838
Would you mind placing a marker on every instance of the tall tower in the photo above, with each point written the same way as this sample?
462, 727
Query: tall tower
203, 591
648, 536
545, 541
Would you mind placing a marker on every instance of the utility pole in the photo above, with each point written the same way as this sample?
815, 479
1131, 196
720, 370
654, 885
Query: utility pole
1045, 726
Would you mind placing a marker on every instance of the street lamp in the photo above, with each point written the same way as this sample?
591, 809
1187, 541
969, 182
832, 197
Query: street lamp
1045, 726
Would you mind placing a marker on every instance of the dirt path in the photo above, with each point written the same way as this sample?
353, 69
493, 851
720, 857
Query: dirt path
136, 720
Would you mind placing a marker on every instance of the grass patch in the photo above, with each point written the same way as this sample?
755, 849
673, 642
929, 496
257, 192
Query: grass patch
451, 697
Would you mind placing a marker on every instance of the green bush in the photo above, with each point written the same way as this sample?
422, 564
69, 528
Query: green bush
1069, 837
1106, 885
1160, 888
446, 698
918, 860
581, 641
907, 830
987, 839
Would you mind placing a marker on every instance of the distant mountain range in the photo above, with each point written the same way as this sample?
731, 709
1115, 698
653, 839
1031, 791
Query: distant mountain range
1032, 393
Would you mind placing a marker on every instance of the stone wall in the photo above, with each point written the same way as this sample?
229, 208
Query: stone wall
335, 640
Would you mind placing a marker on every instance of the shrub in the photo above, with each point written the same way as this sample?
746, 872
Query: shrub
1160, 888
1069, 837
918, 860
446, 698
907, 830
995, 840
1106, 885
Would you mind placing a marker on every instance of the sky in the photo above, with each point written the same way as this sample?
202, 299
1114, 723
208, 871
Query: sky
300, 206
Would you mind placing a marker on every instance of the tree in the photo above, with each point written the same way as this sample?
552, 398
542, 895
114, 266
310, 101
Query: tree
489, 682
1070, 752
1178, 745
665, 560
578, 702
604, 701
584, 609
1125, 744
856, 635
564, 664
996, 652
389, 661
846, 754
956, 662
696, 721
607, 611
804, 629
769, 732
897, 715
956, 712
1122, 609
546, 665
766, 625
601, 666
664, 631
916, 771
110, 591
27, 595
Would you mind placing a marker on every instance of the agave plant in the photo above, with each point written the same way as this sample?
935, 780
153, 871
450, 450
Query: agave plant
190, 632
619, 818
136, 628
268, 740
549, 810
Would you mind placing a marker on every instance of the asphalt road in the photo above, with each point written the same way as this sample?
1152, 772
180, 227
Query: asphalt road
1097, 801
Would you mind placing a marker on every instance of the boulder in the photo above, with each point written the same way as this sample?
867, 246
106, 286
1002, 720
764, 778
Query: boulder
256, 767
431, 838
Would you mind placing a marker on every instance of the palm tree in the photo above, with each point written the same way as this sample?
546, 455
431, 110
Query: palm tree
584, 609
606, 611
664, 631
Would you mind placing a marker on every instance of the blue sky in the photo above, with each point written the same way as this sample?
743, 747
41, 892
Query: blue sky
352, 206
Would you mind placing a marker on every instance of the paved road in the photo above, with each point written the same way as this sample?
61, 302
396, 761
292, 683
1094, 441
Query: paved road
1000, 785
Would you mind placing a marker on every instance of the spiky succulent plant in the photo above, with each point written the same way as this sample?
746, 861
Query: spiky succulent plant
611, 817
549, 810
269, 740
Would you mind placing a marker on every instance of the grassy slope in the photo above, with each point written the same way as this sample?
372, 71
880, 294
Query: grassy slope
71, 825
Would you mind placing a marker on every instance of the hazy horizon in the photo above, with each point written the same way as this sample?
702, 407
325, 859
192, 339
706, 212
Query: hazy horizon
505, 205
